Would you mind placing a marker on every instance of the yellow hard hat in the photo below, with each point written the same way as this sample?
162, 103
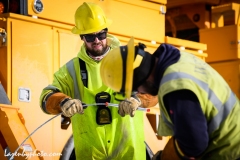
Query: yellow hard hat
90, 18
117, 68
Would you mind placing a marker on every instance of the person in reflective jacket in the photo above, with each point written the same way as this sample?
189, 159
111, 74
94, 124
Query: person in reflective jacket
198, 109
99, 132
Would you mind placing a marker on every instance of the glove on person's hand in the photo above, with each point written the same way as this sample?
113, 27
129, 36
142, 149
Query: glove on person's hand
129, 106
157, 156
70, 107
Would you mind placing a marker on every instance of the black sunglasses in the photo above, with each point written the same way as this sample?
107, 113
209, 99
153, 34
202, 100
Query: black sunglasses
92, 37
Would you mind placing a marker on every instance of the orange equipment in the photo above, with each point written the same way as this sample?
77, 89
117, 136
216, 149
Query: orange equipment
35, 40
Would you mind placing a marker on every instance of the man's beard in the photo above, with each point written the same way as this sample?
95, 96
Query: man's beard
96, 53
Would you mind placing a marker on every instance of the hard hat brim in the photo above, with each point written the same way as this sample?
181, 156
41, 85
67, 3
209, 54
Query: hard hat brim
75, 30
129, 68
117, 68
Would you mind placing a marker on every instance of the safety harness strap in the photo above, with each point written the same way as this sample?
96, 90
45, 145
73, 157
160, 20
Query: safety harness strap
83, 71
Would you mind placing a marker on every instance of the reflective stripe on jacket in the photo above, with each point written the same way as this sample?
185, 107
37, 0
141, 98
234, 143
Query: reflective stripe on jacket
219, 105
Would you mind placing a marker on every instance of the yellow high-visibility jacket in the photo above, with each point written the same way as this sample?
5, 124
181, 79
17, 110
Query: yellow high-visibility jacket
123, 139
219, 105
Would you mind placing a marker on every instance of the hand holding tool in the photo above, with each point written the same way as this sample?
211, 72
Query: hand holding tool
70, 107
129, 106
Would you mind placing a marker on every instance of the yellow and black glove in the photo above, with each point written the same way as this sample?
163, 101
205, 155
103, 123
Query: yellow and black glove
129, 106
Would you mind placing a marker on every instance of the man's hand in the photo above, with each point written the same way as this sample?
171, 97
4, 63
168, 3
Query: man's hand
148, 100
129, 106
71, 106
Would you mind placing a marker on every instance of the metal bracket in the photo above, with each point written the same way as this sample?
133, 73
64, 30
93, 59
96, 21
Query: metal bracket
24, 94
162, 10
3, 37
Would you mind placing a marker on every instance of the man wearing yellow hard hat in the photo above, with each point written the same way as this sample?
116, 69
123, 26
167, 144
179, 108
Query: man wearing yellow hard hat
99, 132
198, 108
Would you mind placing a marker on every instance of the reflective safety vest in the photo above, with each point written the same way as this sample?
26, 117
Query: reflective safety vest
123, 139
219, 105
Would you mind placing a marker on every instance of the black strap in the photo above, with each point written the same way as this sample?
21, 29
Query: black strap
83, 71
124, 51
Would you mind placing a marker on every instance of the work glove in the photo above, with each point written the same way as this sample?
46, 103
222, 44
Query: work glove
157, 156
129, 106
70, 107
